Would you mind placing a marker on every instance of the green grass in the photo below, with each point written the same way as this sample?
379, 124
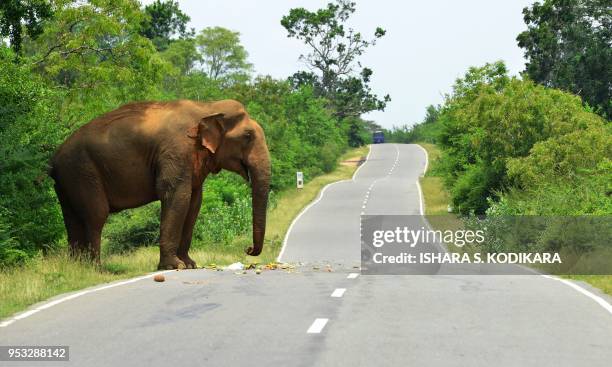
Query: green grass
603, 282
435, 196
437, 200
45, 277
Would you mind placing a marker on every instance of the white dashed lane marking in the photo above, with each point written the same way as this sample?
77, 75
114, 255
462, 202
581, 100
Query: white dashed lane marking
317, 326
338, 292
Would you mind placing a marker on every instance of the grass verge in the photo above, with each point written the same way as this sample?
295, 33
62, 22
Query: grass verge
437, 200
603, 282
45, 277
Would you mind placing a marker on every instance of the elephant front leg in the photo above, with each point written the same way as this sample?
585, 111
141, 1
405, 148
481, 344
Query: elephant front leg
174, 208
190, 220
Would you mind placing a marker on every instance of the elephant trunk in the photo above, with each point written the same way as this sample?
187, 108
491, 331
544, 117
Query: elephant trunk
260, 186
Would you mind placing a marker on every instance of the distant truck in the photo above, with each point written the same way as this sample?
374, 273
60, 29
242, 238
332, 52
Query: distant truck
378, 137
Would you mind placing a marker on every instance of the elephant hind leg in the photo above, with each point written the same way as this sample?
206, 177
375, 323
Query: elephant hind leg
94, 211
77, 239
93, 232
85, 212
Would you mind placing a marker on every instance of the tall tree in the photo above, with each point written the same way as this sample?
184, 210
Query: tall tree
432, 114
333, 58
163, 22
92, 48
182, 54
222, 54
15, 14
567, 45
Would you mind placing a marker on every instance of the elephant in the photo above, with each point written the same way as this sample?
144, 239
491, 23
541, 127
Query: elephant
149, 151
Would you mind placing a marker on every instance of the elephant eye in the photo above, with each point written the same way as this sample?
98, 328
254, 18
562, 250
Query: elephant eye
248, 135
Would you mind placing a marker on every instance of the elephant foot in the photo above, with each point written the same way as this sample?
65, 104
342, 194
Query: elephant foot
171, 263
189, 262
79, 252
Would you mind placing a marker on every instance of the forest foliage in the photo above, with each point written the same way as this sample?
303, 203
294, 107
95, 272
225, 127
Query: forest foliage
68, 61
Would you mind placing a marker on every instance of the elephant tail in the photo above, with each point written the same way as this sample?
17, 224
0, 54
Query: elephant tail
51, 171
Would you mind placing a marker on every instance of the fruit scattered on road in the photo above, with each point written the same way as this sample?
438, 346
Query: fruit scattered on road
159, 278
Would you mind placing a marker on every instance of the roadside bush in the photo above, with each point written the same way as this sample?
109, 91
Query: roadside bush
565, 175
133, 228
491, 118
583, 196
563, 158
29, 132
9, 248
473, 188
566, 181
226, 210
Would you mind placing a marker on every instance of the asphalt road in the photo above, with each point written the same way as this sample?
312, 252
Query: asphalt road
312, 317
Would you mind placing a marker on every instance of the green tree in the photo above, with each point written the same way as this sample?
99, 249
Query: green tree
334, 52
432, 114
182, 54
222, 55
95, 52
15, 14
356, 131
567, 45
163, 22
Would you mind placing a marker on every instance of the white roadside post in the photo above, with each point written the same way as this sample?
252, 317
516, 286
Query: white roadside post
300, 180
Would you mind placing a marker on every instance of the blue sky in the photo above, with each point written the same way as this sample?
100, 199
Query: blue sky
428, 43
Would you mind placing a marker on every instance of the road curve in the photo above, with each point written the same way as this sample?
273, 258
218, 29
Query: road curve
313, 317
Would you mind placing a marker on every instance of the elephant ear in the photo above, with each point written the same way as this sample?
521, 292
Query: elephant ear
209, 131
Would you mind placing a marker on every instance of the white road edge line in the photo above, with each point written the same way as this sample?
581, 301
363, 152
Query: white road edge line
421, 199
338, 292
313, 203
578, 288
50, 304
282, 251
352, 276
25, 314
7, 323
317, 326
418, 184
363, 164
426, 159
